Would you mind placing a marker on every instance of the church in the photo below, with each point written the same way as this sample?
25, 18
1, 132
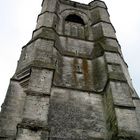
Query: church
71, 81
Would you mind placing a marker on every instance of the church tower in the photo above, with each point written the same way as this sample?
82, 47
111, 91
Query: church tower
71, 82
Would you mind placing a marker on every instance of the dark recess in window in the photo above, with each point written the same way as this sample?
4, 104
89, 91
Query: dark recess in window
74, 18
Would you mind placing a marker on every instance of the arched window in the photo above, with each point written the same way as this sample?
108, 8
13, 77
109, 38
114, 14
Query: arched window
74, 18
74, 26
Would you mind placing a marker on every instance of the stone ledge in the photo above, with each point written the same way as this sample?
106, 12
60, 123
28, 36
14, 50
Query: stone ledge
45, 32
117, 77
60, 138
124, 106
33, 124
90, 91
124, 135
34, 93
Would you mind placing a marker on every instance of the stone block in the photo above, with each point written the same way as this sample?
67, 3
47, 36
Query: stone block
9, 124
12, 108
127, 75
110, 45
97, 31
40, 21
108, 30
67, 30
47, 19
44, 52
27, 56
7, 135
97, 3
46, 5
113, 58
114, 68
99, 74
76, 74
137, 105
111, 42
26, 134
127, 121
103, 29
41, 81
117, 77
99, 14
36, 108
37, 32
121, 94
45, 33
110, 115
76, 47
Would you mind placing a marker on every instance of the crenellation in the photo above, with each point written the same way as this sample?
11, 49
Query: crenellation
75, 4
99, 15
98, 3
46, 5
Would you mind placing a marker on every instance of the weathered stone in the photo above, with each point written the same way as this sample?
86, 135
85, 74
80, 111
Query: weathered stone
121, 94
76, 115
36, 108
71, 82
40, 81
127, 121
103, 29
99, 14
26, 134
12, 109
99, 74
47, 19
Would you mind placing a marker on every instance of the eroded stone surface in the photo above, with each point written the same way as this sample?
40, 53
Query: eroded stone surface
40, 81
26, 134
76, 115
71, 82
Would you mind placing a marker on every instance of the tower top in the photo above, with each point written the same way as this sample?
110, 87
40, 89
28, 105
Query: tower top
92, 3
98, 3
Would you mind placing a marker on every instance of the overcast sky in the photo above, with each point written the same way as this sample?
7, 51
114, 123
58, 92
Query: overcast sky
18, 20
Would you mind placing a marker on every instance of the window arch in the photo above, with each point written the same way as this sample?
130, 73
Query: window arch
74, 18
74, 26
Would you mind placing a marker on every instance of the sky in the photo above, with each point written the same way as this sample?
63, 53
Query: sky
18, 20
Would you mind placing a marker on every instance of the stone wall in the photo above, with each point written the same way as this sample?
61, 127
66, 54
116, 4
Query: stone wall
71, 82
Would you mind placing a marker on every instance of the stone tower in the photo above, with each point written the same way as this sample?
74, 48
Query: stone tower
71, 82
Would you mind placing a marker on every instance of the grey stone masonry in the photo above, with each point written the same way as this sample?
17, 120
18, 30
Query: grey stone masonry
71, 81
